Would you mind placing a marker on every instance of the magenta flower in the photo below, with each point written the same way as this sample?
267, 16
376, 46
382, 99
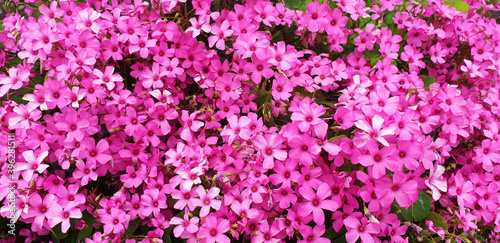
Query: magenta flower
107, 78
374, 130
97, 152
281, 88
313, 235
488, 153
472, 69
316, 202
380, 159
69, 198
212, 230
142, 45
402, 189
42, 210
23, 116
270, 147
134, 178
64, 218
132, 121
248, 44
207, 200
220, 32
18, 76
32, 164
283, 56
436, 182
308, 115
185, 227
115, 221
462, 189
315, 16
360, 229
85, 172
153, 201
237, 128
304, 149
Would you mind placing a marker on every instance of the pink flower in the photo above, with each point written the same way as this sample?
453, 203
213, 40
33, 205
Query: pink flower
313, 235
212, 230
462, 189
366, 38
437, 53
207, 200
402, 189
228, 87
433, 229
185, 227
436, 182
134, 178
85, 172
316, 202
380, 159
281, 88
248, 44
259, 68
32, 164
18, 76
374, 131
41, 211
307, 116
381, 101
488, 152
270, 147
107, 78
115, 221
198, 25
23, 116
304, 149
472, 69
412, 57
130, 30
220, 32
237, 128
360, 229
315, 16
142, 45
153, 201
97, 152
283, 56
64, 218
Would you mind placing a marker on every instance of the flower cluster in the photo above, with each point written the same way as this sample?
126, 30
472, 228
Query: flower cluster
214, 121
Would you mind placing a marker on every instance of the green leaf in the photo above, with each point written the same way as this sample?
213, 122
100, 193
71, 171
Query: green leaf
388, 17
462, 6
1, 25
17, 95
418, 210
428, 80
334, 236
324, 102
132, 226
336, 137
406, 213
166, 234
57, 234
14, 61
438, 220
459, 5
262, 95
85, 233
293, 4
